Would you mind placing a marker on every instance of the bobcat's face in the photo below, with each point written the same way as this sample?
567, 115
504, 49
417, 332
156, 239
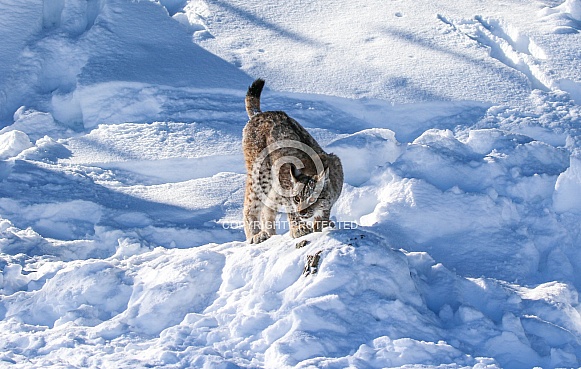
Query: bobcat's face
307, 190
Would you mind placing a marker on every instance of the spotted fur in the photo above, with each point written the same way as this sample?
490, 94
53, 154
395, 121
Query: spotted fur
309, 193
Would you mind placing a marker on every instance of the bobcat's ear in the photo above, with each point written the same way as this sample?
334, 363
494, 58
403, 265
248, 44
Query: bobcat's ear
323, 175
294, 172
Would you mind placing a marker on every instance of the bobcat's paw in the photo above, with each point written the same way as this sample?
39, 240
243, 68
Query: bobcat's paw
260, 237
301, 230
320, 224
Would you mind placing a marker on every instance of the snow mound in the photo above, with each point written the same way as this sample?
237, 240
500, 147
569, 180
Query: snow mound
564, 18
253, 306
249, 304
365, 149
568, 187
13, 143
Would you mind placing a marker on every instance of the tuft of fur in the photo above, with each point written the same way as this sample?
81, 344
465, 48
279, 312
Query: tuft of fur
313, 189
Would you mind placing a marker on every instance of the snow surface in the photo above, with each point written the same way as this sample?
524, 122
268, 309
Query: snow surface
121, 184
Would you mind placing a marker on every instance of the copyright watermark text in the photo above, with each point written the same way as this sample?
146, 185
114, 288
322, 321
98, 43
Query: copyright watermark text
284, 224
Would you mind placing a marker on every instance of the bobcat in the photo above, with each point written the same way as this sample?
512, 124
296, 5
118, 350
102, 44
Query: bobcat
286, 169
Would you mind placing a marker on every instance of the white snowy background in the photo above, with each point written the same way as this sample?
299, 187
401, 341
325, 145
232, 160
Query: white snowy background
121, 175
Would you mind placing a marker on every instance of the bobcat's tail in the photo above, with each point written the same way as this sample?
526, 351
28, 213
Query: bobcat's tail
253, 97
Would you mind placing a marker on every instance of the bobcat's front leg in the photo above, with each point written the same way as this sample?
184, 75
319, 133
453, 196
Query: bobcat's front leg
322, 221
298, 228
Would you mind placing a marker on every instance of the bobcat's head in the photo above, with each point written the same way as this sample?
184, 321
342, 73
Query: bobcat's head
307, 191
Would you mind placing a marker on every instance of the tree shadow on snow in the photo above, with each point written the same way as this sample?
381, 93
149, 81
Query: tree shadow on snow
244, 14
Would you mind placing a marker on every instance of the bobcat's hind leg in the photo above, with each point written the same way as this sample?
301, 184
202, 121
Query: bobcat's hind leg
254, 233
252, 211
260, 237
267, 225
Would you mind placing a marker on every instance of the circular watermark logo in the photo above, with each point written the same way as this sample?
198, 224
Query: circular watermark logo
273, 158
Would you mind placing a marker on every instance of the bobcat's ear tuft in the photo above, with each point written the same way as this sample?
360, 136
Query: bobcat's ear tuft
323, 175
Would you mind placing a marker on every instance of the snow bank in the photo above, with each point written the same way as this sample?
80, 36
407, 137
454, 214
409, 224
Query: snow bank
223, 301
365, 149
467, 199
563, 18
251, 306
78, 44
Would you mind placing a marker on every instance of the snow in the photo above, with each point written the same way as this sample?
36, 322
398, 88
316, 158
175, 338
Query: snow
13, 143
566, 193
457, 240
